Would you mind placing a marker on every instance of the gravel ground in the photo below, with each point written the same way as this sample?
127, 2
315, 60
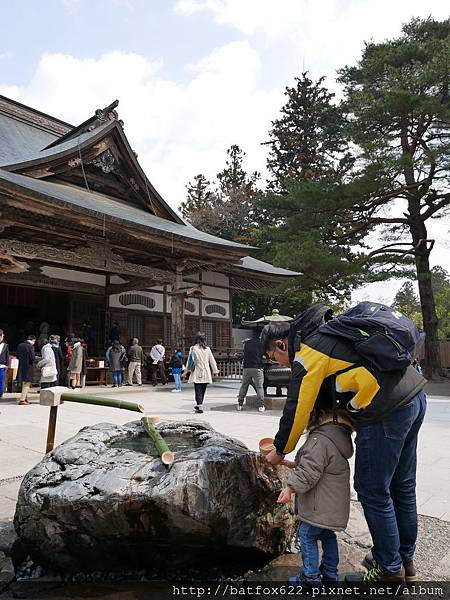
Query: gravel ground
433, 549
432, 561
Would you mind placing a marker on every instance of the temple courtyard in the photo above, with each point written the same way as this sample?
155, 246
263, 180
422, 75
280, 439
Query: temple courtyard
23, 431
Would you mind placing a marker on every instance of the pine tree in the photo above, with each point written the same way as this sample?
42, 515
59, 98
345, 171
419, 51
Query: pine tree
306, 142
198, 196
309, 160
407, 302
227, 210
397, 99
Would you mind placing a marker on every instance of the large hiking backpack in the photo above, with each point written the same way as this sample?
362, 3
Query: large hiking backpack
381, 335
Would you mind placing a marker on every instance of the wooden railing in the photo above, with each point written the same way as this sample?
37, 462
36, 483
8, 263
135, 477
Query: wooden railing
229, 367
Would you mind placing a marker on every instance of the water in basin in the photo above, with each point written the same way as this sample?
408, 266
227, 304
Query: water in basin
143, 444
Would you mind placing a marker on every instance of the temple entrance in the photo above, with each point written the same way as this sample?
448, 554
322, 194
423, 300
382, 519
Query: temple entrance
25, 310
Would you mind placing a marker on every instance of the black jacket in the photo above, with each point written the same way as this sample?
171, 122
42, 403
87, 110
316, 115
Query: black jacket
4, 356
26, 356
253, 354
59, 358
376, 393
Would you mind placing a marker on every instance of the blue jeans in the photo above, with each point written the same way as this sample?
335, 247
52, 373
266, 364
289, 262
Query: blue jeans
117, 377
311, 571
177, 379
2, 381
385, 480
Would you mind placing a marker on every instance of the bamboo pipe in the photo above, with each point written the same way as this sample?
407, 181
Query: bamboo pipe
99, 401
167, 457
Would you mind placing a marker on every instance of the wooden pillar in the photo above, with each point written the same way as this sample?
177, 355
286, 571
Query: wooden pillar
106, 322
51, 429
177, 313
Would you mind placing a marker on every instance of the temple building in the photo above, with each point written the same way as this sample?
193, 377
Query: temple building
85, 236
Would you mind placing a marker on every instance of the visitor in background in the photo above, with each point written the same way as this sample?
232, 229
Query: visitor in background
114, 332
115, 356
176, 364
84, 364
68, 351
4, 361
26, 356
47, 364
200, 363
89, 337
135, 358
59, 358
253, 372
43, 335
157, 354
75, 364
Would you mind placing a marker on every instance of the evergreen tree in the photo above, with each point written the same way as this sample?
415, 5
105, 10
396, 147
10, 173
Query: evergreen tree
397, 98
309, 159
306, 142
227, 210
407, 302
198, 199
440, 280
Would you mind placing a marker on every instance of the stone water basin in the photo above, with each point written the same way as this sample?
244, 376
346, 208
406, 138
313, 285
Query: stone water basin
103, 501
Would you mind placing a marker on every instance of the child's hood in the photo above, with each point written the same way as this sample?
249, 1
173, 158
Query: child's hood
340, 435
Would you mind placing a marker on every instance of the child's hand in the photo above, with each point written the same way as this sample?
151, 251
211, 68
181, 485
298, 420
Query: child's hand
288, 463
285, 495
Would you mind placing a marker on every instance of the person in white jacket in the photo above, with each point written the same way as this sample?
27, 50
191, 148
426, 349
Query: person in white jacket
200, 363
47, 364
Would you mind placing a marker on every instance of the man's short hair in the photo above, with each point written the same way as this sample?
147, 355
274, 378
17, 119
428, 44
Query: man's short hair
135, 341
159, 341
31, 337
274, 331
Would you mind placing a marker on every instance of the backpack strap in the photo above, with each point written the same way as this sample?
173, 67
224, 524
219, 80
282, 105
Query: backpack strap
333, 387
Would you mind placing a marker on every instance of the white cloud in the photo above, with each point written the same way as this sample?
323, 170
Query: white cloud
323, 35
178, 129
6, 55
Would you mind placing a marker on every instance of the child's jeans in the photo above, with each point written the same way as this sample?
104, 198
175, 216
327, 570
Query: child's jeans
312, 572
177, 379
117, 377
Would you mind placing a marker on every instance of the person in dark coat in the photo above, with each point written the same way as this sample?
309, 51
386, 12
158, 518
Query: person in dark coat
59, 357
26, 356
115, 355
4, 360
114, 333
89, 338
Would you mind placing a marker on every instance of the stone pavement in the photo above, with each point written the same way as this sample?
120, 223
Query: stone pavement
23, 434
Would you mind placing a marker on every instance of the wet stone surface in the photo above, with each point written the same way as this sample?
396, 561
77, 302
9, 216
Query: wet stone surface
101, 503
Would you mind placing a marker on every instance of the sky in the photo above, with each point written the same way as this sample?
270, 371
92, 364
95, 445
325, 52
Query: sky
192, 76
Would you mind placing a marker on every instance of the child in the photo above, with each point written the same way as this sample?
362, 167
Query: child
176, 364
321, 482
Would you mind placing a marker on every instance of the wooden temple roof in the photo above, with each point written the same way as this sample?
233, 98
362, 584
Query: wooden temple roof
86, 202
90, 172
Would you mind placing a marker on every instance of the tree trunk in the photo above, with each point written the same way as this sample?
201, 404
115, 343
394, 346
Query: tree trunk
433, 367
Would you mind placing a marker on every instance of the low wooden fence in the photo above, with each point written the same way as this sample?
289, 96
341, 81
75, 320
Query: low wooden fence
229, 367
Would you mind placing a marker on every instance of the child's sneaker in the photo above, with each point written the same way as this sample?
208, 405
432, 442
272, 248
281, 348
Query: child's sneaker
262, 408
239, 407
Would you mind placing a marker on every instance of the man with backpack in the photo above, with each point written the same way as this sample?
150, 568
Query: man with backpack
361, 361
